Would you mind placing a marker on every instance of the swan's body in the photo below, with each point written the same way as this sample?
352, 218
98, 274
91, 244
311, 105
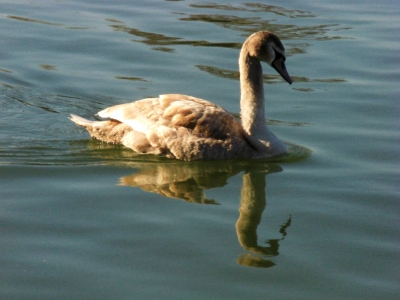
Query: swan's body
188, 128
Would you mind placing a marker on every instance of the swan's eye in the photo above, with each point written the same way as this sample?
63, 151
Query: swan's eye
278, 55
266, 48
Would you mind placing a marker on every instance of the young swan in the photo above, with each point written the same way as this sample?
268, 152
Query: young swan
189, 128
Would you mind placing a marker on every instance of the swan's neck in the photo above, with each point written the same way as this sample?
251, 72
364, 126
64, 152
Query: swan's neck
252, 107
252, 95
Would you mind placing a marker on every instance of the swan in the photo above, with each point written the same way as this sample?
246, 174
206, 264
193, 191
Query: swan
188, 128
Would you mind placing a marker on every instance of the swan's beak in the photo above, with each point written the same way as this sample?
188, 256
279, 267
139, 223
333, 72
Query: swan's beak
279, 66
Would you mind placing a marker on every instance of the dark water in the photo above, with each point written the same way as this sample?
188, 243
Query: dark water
80, 219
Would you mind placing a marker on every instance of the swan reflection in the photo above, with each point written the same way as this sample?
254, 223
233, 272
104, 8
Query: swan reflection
188, 182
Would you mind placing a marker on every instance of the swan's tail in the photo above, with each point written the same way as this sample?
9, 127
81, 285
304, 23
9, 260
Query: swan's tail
109, 131
85, 122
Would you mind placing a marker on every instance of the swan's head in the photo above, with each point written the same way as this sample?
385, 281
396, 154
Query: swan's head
267, 47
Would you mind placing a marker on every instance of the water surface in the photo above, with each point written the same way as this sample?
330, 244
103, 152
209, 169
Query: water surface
80, 219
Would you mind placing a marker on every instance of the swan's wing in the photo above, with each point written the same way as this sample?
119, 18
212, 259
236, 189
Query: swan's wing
140, 115
200, 117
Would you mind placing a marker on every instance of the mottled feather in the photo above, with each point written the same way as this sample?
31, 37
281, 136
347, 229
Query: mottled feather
175, 125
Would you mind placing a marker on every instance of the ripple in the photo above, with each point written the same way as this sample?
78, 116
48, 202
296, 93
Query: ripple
258, 7
156, 39
245, 25
48, 67
248, 25
24, 19
295, 153
5, 71
131, 78
268, 78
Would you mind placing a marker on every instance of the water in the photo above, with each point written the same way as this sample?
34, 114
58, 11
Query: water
85, 220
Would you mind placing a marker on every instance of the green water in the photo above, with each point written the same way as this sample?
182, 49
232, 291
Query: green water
80, 219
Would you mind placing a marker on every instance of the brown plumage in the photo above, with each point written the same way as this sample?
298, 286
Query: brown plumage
189, 128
